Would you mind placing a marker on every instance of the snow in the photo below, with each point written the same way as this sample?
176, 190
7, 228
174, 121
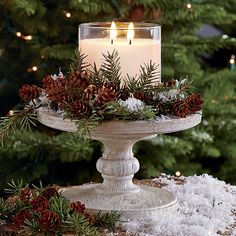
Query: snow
132, 104
205, 205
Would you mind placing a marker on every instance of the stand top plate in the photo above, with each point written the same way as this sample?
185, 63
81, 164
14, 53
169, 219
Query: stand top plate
54, 120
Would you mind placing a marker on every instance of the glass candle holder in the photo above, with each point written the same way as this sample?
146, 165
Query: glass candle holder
136, 43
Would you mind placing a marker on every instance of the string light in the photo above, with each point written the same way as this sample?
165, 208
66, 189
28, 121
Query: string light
177, 173
33, 68
18, 34
232, 62
11, 112
27, 37
232, 59
189, 5
68, 14
225, 36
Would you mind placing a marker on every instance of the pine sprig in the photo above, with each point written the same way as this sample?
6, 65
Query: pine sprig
148, 77
107, 220
81, 225
78, 62
31, 227
20, 120
110, 67
14, 187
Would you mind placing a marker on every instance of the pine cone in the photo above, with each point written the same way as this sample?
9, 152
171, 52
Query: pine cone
20, 217
49, 221
180, 108
80, 79
79, 108
56, 90
195, 102
50, 192
170, 83
77, 207
90, 218
90, 92
39, 203
107, 94
143, 96
27, 92
25, 194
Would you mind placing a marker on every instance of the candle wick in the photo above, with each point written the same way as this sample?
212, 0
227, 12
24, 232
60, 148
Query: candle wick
112, 41
130, 42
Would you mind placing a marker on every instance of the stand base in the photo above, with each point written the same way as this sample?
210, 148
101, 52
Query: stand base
147, 203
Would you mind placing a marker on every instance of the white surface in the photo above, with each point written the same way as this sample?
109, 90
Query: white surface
205, 204
139, 52
118, 166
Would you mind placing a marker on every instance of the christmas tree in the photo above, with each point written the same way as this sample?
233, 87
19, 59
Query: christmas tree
44, 40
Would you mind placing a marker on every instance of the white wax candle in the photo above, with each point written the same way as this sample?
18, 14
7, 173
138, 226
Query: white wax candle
132, 55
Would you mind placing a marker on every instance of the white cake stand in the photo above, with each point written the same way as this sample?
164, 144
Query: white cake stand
118, 166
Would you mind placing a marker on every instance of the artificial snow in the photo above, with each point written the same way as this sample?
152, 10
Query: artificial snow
132, 104
204, 208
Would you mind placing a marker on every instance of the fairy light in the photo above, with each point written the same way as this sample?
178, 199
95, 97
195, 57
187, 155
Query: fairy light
27, 37
18, 34
34, 68
232, 59
177, 174
11, 112
232, 62
68, 14
189, 5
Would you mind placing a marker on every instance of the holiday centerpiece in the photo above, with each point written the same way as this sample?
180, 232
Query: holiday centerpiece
113, 93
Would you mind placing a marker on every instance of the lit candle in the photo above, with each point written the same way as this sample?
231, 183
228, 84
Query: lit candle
136, 45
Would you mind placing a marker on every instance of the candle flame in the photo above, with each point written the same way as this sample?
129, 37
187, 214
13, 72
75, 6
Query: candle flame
113, 32
130, 33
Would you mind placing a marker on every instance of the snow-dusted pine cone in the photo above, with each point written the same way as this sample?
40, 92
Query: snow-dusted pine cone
194, 102
27, 92
77, 207
180, 108
49, 221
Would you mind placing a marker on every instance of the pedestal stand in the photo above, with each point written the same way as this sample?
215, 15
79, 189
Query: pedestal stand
118, 166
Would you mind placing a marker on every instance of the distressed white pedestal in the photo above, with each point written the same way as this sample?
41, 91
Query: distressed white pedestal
118, 166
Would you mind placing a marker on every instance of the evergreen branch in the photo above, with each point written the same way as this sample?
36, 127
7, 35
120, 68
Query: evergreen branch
107, 220
96, 76
31, 227
81, 225
15, 186
60, 205
110, 67
22, 120
87, 124
78, 62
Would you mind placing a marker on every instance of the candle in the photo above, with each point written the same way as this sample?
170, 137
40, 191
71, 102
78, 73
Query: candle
135, 46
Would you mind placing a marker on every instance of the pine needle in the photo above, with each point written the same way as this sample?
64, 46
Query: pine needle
20, 120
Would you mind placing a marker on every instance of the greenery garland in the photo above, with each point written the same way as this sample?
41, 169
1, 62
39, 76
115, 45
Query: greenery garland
91, 96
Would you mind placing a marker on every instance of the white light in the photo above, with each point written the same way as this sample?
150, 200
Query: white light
177, 173
68, 14
189, 5
232, 61
11, 112
18, 34
225, 36
34, 68
27, 37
